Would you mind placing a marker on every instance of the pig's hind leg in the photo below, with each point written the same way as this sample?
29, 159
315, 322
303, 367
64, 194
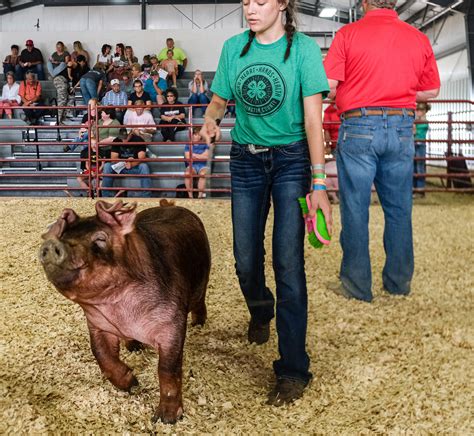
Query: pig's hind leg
106, 350
199, 312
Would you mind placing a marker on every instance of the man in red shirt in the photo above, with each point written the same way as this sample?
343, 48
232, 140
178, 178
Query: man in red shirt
378, 68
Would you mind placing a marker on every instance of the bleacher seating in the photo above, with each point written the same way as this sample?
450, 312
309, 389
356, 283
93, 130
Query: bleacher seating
60, 173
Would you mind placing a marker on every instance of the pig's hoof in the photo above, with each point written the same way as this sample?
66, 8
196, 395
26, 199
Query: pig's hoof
134, 345
168, 414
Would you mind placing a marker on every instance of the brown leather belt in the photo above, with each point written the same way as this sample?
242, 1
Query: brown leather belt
357, 113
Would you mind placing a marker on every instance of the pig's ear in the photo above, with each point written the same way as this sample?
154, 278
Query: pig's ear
119, 216
56, 230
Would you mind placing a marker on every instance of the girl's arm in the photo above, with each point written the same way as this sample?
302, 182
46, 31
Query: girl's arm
313, 121
214, 111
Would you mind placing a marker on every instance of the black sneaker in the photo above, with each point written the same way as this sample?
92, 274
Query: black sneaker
258, 333
285, 391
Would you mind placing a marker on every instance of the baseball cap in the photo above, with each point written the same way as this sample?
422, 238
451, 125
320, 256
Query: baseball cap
114, 82
29, 42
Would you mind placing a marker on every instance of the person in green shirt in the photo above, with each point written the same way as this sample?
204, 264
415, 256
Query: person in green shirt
178, 54
276, 77
420, 130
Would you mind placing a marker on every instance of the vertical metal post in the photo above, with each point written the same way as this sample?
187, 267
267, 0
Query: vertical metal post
449, 151
143, 2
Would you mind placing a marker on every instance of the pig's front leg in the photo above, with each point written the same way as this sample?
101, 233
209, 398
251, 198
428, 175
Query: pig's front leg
106, 349
170, 370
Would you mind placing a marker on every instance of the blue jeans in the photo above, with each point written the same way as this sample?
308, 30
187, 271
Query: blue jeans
88, 89
55, 70
379, 150
108, 182
420, 165
196, 98
37, 69
282, 175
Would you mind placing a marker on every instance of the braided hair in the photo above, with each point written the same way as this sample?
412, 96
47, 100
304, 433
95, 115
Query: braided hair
290, 29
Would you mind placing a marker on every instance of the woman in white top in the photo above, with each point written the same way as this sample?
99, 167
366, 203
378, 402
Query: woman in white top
105, 55
10, 96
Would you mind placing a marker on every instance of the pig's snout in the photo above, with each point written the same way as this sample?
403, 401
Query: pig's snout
52, 252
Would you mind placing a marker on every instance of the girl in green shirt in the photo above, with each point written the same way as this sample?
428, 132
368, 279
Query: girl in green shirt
276, 77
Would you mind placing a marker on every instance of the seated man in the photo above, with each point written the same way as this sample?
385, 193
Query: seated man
140, 116
30, 93
121, 154
116, 97
178, 54
31, 59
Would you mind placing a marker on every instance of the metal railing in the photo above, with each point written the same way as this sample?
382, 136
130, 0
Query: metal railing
450, 139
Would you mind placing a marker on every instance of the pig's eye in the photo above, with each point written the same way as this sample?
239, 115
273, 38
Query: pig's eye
100, 240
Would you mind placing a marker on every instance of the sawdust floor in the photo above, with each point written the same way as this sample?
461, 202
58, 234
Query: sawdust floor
398, 365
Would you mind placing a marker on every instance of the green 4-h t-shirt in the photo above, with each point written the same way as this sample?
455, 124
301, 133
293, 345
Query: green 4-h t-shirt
268, 91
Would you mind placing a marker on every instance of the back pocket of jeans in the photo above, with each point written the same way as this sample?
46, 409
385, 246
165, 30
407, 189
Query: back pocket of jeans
407, 142
356, 140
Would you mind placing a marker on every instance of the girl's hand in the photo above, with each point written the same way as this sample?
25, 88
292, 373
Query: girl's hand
210, 130
320, 200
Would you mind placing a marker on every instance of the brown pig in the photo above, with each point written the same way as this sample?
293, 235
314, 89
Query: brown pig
136, 276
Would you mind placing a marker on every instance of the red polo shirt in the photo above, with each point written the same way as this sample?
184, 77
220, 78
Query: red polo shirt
331, 123
380, 61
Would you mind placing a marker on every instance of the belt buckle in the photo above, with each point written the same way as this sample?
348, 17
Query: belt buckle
254, 150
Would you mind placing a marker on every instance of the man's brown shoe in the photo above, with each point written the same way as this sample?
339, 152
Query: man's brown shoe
285, 391
258, 333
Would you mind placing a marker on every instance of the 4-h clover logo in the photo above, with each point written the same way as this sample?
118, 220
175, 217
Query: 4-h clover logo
261, 88
257, 89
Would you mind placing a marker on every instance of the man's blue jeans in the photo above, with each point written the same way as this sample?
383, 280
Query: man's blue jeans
88, 89
280, 175
379, 150
21, 71
108, 182
420, 165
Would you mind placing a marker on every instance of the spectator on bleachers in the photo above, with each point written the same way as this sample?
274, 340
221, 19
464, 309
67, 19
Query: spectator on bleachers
140, 116
198, 88
110, 130
178, 55
10, 96
200, 153
79, 51
170, 65
105, 56
31, 59
83, 135
92, 82
30, 93
155, 86
119, 63
122, 152
116, 97
138, 94
130, 56
171, 114
76, 70
91, 166
57, 62
138, 74
155, 64
146, 66
11, 60
126, 83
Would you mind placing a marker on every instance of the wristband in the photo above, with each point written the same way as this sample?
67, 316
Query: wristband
318, 166
319, 187
319, 176
319, 182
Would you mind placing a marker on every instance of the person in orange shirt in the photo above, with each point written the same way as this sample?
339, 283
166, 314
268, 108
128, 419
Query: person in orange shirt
30, 93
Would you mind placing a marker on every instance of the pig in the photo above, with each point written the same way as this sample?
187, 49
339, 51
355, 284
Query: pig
136, 277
